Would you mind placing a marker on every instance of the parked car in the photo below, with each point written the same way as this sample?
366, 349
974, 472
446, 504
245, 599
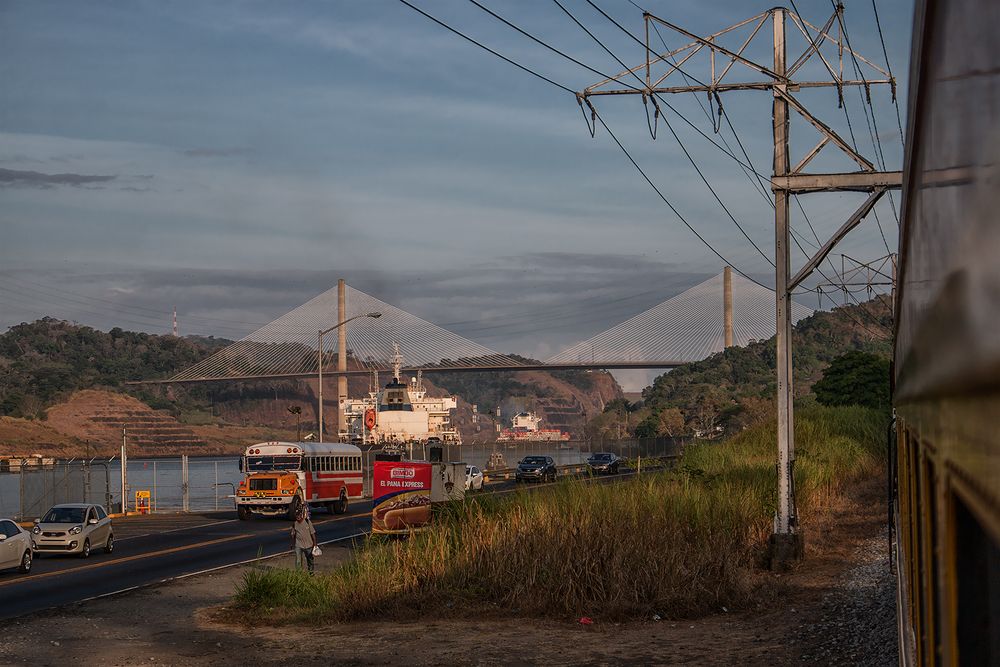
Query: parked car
537, 468
15, 546
74, 528
604, 462
473, 478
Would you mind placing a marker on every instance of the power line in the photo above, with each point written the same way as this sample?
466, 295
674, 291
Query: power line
888, 66
669, 127
486, 48
598, 116
599, 73
847, 116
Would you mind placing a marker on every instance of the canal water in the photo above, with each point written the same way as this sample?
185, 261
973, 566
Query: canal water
212, 480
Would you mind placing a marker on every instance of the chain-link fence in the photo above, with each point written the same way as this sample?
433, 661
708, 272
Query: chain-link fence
564, 452
505, 455
29, 488
199, 484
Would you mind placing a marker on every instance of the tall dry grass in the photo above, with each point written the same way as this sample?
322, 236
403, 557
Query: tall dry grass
676, 543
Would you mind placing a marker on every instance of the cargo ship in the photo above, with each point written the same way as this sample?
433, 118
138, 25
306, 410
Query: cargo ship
525, 427
401, 413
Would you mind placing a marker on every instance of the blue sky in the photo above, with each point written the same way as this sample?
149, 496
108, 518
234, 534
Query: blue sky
235, 158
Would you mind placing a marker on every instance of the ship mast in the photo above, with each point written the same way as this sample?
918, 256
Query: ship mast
397, 361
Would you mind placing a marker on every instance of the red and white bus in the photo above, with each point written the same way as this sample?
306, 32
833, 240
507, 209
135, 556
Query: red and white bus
282, 477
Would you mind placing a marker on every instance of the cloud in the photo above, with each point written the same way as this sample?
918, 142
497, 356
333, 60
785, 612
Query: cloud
217, 152
18, 178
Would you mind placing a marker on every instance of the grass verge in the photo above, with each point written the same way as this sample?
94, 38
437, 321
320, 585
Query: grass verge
679, 543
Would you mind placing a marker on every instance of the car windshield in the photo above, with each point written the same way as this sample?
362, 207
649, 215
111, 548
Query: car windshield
65, 515
601, 457
534, 460
267, 463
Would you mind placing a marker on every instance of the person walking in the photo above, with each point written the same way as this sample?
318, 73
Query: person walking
303, 541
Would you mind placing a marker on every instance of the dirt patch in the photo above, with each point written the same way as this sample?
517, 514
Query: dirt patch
89, 423
27, 437
179, 623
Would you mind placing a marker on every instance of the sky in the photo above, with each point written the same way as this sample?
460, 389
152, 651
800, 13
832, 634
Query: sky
233, 159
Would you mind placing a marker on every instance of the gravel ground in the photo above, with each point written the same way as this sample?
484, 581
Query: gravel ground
858, 620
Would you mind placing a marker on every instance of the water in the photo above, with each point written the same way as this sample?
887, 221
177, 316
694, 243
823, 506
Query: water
210, 485
211, 480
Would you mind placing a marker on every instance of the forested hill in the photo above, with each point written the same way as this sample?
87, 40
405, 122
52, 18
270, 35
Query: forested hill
737, 386
45, 361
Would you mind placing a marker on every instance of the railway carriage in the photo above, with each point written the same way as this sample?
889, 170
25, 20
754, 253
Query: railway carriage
947, 350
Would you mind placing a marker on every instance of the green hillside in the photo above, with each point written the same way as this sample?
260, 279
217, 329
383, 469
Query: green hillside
45, 361
736, 387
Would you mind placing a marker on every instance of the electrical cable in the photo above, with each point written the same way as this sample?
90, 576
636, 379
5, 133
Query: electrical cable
672, 132
888, 66
622, 147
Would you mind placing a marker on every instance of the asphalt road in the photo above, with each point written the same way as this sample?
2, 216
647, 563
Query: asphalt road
144, 559
155, 549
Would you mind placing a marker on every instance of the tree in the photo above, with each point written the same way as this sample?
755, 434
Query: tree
647, 428
670, 422
855, 378
755, 410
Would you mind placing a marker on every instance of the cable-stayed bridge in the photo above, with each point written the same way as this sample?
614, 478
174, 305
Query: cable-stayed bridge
687, 327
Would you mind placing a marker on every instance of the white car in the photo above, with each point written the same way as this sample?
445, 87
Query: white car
74, 528
473, 478
15, 546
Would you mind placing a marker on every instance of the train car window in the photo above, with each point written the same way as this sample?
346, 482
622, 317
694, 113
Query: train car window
977, 559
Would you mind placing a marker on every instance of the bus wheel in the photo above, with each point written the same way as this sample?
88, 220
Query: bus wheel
294, 507
243, 512
341, 505
331, 507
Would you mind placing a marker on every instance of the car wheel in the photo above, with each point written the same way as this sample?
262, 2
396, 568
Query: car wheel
25, 565
109, 546
86, 549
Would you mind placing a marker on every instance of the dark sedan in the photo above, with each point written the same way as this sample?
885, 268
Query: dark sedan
604, 462
536, 468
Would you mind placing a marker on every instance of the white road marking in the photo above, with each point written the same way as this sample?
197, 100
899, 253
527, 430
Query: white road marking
211, 569
172, 530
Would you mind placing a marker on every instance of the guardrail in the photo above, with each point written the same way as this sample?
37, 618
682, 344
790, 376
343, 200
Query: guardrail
653, 462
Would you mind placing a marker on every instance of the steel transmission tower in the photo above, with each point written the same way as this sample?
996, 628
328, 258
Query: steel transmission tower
650, 80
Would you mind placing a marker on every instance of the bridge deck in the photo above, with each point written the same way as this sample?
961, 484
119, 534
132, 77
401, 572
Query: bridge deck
597, 365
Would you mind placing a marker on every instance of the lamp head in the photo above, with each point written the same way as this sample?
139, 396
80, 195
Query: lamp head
374, 314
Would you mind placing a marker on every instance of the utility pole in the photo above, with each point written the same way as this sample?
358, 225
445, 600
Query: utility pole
124, 471
778, 77
341, 357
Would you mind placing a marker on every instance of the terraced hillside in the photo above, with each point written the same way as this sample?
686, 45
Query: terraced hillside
98, 417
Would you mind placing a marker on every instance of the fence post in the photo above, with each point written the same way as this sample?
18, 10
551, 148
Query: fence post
184, 482
216, 487
22, 490
153, 508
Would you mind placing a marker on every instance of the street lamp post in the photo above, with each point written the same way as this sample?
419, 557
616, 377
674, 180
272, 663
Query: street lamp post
320, 364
